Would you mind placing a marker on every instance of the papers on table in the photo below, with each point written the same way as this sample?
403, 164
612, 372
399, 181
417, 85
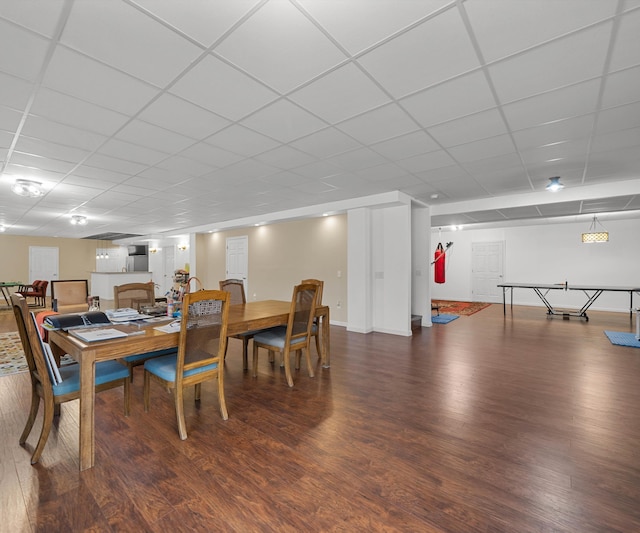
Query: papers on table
124, 314
97, 334
172, 327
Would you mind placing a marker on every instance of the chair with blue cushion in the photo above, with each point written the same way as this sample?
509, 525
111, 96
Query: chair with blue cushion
235, 288
109, 374
135, 296
295, 336
201, 346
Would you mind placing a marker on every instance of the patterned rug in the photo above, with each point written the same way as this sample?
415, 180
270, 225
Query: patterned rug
12, 359
459, 308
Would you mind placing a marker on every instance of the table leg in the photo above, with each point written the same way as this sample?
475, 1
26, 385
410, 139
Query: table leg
87, 410
326, 348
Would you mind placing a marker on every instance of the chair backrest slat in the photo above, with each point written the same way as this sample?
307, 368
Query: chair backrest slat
303, 308
203, 330
235, 287
134, 295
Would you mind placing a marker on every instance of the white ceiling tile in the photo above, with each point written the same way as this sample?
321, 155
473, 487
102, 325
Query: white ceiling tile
559, 131
526, 23
562, 62
68, 110
41, 17
616, 140
340, 94
114, 164
383, 18
183, 166
151, 136
626, 50
51, 150
183, 117
401, 70
357, 159
208, 154
285, 157
383, 123
622, 88
131, 152
22, 52
619, 118
60, 134
9, 120
386, 171
425, 162
84, 78
284, 179
14, 92
222, 89
570, 150
327, 142
405, 146
241, 140
473, 151
471, 128
141, 47
283, 121
202, 20
35, 164
556, 105
318, 170
263, 47
456, 98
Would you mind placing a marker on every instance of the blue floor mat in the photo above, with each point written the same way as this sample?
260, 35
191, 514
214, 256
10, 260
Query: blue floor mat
623, 339
443, 319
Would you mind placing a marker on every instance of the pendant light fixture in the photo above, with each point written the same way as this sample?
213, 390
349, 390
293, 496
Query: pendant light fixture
554, 184
594, 236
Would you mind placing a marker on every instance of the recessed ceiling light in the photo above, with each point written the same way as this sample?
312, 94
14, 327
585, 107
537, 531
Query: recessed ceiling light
434, 196
79, 220
29, 188
554, 184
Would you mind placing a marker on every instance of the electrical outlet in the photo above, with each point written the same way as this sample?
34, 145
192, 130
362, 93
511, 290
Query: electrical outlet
339, 304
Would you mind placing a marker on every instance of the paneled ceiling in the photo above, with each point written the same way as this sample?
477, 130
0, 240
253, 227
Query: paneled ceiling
157, 116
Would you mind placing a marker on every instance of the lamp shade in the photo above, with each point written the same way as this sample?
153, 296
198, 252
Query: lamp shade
554, 184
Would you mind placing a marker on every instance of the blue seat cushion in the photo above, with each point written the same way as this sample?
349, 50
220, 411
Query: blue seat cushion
147, 355
165, 367
106, 371
275, 337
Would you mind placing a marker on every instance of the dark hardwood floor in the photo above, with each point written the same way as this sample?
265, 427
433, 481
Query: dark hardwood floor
516, 424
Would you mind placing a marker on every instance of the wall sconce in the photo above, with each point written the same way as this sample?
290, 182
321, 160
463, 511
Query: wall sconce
593, 236
554, 184
182, 247
29, 188
79, 220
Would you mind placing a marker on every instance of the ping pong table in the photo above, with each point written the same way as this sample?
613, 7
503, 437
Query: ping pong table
592, 292
4, 290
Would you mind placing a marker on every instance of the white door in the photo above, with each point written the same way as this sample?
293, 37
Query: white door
487, 271
43, 264
168, 268
238, 260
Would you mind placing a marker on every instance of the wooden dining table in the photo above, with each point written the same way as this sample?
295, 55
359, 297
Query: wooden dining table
242, 318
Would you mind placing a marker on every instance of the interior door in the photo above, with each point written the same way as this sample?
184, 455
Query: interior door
168, 268
487, 271
43, 264
237, 264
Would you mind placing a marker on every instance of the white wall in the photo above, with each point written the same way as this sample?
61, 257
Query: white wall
549, 253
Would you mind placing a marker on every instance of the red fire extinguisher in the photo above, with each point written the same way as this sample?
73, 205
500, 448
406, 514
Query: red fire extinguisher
438, 260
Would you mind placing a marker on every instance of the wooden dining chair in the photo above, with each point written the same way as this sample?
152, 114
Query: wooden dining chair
295, 336
235, 288
136, 295
109, 374
37, 290
200, 357
315, 328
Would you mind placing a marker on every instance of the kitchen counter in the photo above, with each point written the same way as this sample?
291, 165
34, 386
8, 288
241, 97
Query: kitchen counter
102, 283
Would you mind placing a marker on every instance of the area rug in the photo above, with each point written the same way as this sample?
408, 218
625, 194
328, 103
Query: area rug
623, 339
443, 319
459, 308
12, 359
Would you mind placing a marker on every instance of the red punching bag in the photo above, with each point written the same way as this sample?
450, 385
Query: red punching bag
438, 260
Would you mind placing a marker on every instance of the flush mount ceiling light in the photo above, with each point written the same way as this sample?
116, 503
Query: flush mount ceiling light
554, 184
29, 188
79, 220
593, 236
